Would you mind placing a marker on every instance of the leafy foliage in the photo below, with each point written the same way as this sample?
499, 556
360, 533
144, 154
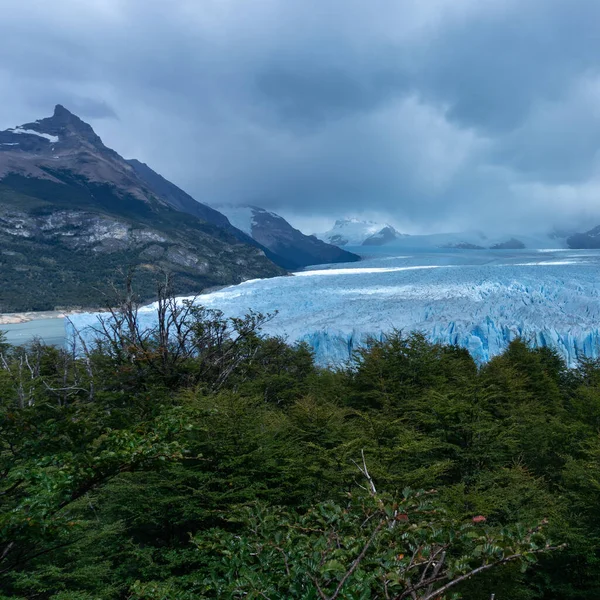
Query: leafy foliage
406, 548
205, 460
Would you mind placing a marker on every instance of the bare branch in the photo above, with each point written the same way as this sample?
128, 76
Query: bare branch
357, 561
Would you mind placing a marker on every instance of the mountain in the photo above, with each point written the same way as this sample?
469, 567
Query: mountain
589, 239
475, 240
387, 235
182, 201
472, 240
354, 232
294, 248
510, 244
176, 197
74, 213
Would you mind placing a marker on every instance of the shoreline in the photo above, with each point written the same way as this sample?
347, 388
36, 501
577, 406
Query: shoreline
17, 318
24, 317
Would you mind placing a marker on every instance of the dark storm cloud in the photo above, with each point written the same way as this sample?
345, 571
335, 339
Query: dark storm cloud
494, 71
432, 113
312, 94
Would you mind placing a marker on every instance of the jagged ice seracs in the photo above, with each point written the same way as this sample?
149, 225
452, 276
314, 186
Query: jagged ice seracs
480, 300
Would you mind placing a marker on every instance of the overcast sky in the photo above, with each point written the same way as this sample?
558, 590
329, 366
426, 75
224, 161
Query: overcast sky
433, 114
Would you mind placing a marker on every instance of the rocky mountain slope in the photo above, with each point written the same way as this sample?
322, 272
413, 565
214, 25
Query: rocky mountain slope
176, 197
74, 215
295, 249
182, 201
387, 235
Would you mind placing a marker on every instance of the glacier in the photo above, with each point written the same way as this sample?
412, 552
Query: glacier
480, 300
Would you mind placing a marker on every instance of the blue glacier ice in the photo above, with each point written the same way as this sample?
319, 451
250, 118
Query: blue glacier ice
480, 300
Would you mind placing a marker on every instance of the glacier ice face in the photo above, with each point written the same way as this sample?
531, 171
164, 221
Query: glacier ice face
480, 300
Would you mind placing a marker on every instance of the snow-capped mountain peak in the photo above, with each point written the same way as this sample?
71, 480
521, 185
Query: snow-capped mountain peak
357, 232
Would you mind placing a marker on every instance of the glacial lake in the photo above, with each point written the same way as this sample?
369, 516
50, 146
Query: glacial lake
50, 331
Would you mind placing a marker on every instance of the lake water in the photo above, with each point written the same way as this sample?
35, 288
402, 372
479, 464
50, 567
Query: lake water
50, 331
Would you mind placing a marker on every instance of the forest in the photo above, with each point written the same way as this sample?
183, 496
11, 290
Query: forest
203, 459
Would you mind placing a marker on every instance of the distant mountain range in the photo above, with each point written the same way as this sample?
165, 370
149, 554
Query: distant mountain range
273, 232
354, 232
74, 214
589, 239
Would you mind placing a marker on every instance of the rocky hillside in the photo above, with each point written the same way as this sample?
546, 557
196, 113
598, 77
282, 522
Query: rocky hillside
182, 201
176, 197
386, 235
294, 249
74, 215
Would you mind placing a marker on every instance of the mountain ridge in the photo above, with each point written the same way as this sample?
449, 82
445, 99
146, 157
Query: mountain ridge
586, 240
275, 233
286, 255
74, 213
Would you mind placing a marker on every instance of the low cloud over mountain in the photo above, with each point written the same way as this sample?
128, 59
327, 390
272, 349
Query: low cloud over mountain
436, 114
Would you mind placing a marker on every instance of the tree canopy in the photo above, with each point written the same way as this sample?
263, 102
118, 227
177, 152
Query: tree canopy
211, 461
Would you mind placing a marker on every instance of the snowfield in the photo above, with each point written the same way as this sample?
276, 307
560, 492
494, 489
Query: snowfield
480, 300
51, 138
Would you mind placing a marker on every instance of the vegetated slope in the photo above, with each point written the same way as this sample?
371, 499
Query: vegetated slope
74, 216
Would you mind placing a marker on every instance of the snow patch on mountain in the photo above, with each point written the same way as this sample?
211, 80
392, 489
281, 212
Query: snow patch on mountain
51, 138
247, 217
